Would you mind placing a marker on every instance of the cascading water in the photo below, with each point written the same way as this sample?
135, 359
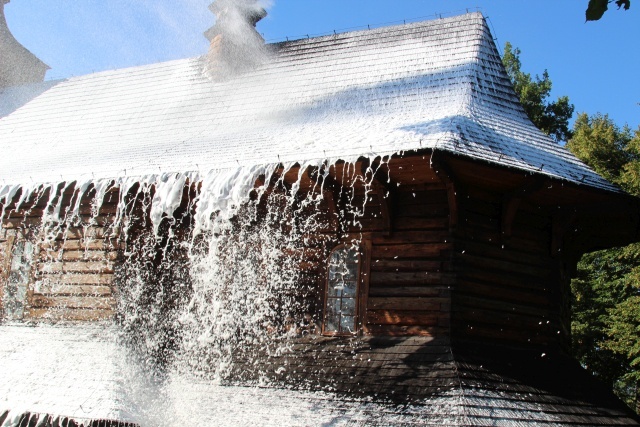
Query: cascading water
214, 276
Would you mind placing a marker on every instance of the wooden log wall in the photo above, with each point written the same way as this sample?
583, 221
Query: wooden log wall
438, 259
72, 271
509, 289
408, 273
411, 274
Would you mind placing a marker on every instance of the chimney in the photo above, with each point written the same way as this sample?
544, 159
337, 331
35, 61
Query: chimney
235, 44
17, 65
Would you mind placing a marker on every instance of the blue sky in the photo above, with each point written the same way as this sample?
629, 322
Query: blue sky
596, 64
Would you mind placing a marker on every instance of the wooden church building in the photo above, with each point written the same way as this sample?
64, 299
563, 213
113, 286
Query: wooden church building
453, 304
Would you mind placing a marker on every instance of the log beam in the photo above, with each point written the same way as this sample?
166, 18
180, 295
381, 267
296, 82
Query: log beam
332, 193
561, 222
512, 199
372, 173
446, 176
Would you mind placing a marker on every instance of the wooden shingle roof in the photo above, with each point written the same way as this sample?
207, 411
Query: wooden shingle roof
80, 372
436, 85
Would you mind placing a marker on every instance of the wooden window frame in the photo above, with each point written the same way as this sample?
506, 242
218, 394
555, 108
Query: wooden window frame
362, 290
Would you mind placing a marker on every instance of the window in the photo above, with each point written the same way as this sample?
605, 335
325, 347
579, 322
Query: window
15, 293
341, 301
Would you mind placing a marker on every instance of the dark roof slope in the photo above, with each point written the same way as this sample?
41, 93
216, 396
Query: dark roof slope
426, 380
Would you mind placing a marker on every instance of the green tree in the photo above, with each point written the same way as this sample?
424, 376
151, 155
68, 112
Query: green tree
606, 291
550, 117
597, 8
601, 144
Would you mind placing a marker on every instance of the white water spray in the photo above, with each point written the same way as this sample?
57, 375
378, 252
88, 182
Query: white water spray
215, 271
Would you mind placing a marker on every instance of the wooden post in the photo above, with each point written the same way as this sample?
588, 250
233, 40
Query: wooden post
512, 199
331, 192
446, 176
560, 223
363, 289
384, 191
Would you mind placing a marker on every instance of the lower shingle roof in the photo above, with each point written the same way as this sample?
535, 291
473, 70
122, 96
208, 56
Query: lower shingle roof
79, 371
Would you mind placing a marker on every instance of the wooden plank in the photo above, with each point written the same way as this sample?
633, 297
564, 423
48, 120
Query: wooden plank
487, 176
400, 330
446, 176
76, 267
510, 321
386, 264
306, 254
368, 224
500, 251
509, 209
409, 291
99, 244
508, 294
470, 262
421, 223
106, 209
363, 288
51, 289
485, 223
464, 303
407, 303
92, 232
403, 318
68, 314
411, 278
385, 194
413, 250
528, 244
411, 170
423, 211
79, 279
15, 223
418, 236
103, 303
479, 332
427, 196
79, 255
508, 280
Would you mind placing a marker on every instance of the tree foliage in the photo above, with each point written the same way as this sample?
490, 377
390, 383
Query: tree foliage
601, 144
550, 117
606, 291
597, 8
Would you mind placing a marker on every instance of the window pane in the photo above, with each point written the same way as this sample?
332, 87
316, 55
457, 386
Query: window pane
347, 324
335, 288
21, 262
348, 307
349, 289
16, 289
342, 286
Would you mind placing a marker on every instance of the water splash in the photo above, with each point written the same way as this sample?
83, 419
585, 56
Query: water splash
216, 269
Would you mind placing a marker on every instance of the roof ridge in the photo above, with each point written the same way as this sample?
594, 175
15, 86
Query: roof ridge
376, 28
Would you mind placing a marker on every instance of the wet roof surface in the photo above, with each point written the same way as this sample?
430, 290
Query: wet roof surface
80, 371
437, 85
